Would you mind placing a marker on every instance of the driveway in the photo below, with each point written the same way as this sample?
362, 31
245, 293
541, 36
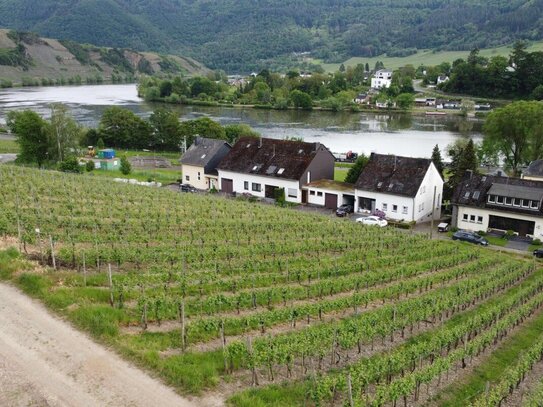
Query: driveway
6, 158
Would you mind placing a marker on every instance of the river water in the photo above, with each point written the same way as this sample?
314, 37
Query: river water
401, 134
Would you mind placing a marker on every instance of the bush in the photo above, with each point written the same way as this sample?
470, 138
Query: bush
70, 164
509, 234
89, 166
126, 168
536, 242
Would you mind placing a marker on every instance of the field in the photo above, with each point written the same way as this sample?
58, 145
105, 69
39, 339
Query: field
426, 57
268, 306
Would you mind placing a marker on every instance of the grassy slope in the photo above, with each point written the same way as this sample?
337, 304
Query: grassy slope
427, 57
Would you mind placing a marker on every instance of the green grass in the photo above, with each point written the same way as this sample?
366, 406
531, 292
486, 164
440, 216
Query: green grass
496, 241
426, 57
465, 390
271, 396
10, 262
162, 175
9, 147
340, 174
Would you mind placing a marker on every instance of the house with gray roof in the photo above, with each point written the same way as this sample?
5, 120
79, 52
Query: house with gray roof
534, 171
404, 188
486, 202
200, 161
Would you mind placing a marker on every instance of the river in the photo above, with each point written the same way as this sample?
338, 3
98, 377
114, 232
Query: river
401, 134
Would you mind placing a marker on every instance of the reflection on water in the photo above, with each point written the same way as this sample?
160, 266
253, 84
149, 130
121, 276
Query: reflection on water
401, 134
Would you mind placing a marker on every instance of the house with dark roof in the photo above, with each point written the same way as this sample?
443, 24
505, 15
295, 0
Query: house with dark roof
199, 163
404, 188
534, 171
259, 166
486, 202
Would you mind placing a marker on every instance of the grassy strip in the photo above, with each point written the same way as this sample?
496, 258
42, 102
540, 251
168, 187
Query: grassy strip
297, 393
9, 147
159, 175
461, 392
340, 174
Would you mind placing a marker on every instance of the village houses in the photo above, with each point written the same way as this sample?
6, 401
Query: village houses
199, 163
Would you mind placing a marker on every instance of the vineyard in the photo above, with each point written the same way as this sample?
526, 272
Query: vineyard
271, 306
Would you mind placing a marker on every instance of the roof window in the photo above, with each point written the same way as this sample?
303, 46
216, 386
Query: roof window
203, 156
281, 170
466, 195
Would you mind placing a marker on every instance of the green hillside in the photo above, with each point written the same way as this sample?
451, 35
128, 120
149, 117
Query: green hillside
246, 35
26, 58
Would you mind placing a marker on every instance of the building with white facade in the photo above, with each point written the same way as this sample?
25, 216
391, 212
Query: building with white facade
199, 163
259, 166
404, 188
381, 79
330, 194
486, 202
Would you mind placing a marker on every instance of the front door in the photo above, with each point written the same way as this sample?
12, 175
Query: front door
269, 191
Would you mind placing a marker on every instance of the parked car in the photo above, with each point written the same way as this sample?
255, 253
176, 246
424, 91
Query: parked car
538, 253
186, 188
344, 210
443, 227
469, 237
372, 221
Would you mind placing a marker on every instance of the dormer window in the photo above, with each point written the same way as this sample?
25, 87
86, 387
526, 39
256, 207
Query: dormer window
534, 204
281, 170
492, 199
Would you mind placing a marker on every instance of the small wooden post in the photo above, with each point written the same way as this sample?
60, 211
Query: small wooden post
84, 271
350, 390
182, 316
52, 252
223, 343
254, 381
110, 279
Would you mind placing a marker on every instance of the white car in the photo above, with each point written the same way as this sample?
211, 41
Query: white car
373, 221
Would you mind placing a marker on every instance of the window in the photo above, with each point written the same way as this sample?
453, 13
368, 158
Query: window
281, 170
292, 193
525, 203
385, 207
534, 204
479, 219
311, 192
187, 178
256, 187
508, 201
466, 195
246, 185
492, 198
319, 193
472, 218
198, 175
499, 200
516, 202
465, 217
394, 208
404, 210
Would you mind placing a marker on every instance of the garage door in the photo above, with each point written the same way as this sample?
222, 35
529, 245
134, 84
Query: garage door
330, 201
522, 227
227, 185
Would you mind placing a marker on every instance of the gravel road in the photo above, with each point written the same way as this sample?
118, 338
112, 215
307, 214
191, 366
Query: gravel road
46, 362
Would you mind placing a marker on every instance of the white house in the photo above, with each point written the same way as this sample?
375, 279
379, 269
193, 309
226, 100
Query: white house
487, 202
404, 188
259, 166
382, 79
199, 163
442, 79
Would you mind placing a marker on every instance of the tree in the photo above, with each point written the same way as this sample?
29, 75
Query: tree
235, 131
516, 133
100, 145
63, 132
202, 126
70, 164
166, 130
463, 158
31, 132
126, 167
405, 100
356, 169
438, 160
122, 128
301, 100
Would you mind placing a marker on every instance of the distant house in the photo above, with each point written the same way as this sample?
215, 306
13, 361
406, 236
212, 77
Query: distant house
385, 104
534, 171
425, 101
442, 79
362, 99
260, 166
199, 163
104, 160
382, 79
485, 202
404, 188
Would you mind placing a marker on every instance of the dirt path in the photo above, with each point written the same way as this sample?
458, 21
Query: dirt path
45, 362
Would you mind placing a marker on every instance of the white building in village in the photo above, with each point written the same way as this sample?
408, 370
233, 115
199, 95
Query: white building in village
200, 161
381, 79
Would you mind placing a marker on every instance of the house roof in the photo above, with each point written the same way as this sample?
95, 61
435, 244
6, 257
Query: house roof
270, 157
535, 169
473, 190
395, 175
202, 151
331, 184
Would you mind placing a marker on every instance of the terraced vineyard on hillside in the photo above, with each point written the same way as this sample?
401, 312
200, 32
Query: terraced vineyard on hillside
271, 306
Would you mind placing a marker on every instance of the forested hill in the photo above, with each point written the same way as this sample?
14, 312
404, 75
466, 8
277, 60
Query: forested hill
28, 59
243, 35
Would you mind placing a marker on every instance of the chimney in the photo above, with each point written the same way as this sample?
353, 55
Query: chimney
259, 142
273, 154
395, 160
